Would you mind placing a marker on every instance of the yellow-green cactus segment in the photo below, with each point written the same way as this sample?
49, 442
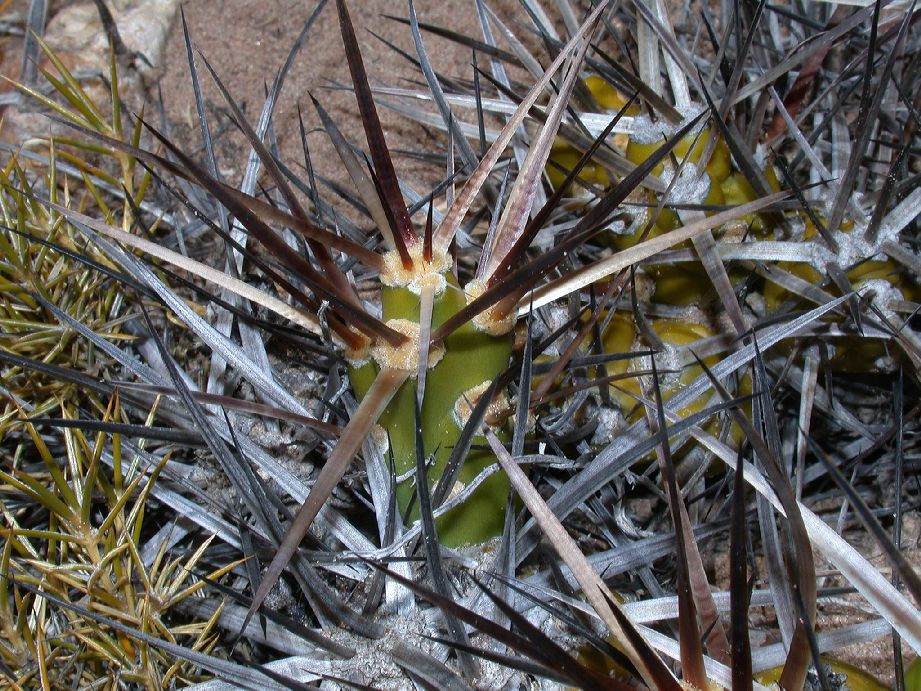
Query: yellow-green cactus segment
675, 284
692, 147
607, 96
872, 269
852, 353
667, 219
684, 284
564, 157
621, 336
734, 188
737, 191
680, 285
594, 659
913, 675
470, 359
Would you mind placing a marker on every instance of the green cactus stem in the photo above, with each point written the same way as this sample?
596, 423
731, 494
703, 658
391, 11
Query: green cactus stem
470, 359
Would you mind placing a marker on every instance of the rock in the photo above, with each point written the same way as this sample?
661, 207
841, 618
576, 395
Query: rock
78, 38
143, 25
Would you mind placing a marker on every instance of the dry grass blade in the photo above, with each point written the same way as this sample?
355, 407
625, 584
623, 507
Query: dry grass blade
332, 272
517, 250
53, 371
518, 208
229, 350
866, 579
312, 233
799, 560
35, 29
580, 278
507, 661
531, 641
203, 126
366, 415
249, 677
886, 599
455, 215
236, 404
542, 388
433, 553
357, 172
706, 249
466, 151
218, 278
221, 190
818, 44
236, 468
797, 93
739, 588
477, 46
403, 233
906, 571
608, 463
899, 409
678, 64
714, 634
692, 654
426, 303
524, 392
164, 434
288, 632
318, 283
426, 670
551, 653
885, 196
879, 592
650, 667
869, 111
732, 85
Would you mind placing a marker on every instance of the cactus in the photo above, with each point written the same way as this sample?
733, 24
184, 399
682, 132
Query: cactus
458, 373
644, 286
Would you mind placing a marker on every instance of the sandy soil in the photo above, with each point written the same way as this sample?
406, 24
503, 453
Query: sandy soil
247, 46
